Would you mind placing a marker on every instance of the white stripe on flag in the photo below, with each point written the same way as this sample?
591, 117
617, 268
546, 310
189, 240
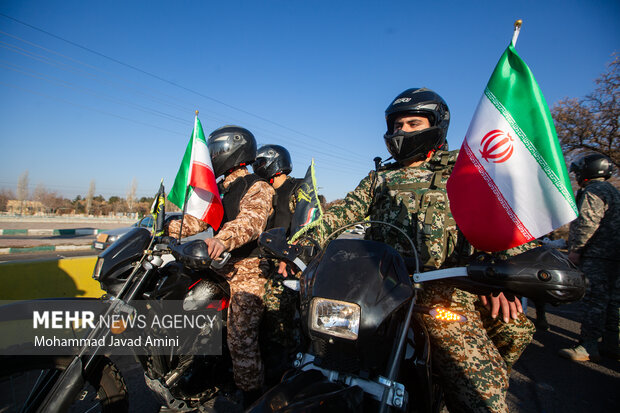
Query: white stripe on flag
498, 194
525, 186
198, 202
201, 153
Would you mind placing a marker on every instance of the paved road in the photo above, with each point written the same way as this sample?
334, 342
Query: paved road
543, 382
26, 241
45, 255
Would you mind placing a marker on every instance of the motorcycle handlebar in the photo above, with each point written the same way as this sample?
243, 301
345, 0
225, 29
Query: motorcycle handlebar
219, 264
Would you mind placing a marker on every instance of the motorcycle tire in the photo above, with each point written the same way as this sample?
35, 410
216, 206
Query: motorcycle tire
105, 389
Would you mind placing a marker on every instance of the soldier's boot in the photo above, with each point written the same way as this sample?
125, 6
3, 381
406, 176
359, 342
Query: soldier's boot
541, 322
586, 351
541, 318
610, 347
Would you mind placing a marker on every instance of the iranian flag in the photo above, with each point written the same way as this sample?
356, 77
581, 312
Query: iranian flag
195, 182
510, 184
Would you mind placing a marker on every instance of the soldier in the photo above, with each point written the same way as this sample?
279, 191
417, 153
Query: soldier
594, 239
273, 163
411, 194
247, 201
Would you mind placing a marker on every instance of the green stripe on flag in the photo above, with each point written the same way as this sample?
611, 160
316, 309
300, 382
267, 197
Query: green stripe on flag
177, 193
181, 182
513, 90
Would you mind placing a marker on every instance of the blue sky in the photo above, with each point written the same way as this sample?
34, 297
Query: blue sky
106, 91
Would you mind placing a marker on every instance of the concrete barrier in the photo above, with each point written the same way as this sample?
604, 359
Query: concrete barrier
67, 277
17, 250
51, 232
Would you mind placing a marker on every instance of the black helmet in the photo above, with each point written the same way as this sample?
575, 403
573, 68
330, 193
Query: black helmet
413, 146
231, 146
591, 165
272, 160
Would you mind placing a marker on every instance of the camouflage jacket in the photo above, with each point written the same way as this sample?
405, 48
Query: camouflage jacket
254, 210
412, 198
596, 232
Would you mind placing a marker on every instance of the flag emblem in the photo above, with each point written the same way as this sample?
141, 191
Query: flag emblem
497, 146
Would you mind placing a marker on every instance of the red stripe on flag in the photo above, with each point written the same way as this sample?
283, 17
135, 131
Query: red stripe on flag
483, 214
203, 177
215, 213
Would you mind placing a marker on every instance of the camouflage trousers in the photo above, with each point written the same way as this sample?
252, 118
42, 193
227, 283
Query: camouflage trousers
247, 287
280, 335
601, 304
473, 359
280, 304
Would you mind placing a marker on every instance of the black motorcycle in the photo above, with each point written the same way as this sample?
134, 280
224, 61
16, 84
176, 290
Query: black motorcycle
369, 350
137, 270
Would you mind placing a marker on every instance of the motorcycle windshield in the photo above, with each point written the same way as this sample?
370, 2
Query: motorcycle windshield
368, 273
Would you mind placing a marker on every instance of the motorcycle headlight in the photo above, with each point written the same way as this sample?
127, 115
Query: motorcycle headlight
336, 318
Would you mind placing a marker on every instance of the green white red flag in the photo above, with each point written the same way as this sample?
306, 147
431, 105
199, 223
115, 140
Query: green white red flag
510, 184
195, 182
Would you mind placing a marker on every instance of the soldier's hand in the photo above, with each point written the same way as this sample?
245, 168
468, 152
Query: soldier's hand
495, 302
173, 228
215, 247
284, 269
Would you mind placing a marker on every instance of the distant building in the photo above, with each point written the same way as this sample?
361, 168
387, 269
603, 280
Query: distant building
14, 206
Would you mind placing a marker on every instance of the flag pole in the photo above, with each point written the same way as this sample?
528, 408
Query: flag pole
183, 214
186, 193
515, 34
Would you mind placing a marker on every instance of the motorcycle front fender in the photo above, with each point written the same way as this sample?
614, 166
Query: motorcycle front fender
65, 390
309, 391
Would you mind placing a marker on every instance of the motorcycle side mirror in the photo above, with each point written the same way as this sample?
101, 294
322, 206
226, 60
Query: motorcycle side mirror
273, 244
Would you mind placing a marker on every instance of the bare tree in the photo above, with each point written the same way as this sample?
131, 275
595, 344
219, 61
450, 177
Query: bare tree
89, 197
131, 194
592, 123
50, 200
5, 195
39, 194
22, 189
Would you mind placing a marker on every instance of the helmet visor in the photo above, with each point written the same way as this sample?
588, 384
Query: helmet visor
219, 145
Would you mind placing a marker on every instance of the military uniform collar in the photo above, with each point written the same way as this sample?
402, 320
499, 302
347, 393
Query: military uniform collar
593, 180
237, 173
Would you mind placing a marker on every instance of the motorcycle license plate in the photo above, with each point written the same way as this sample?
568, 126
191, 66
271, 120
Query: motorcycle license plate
98, 245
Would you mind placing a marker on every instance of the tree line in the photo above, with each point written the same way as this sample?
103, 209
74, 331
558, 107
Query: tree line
43, 201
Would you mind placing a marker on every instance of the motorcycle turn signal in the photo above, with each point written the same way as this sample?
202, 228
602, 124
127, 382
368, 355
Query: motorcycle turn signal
441, 314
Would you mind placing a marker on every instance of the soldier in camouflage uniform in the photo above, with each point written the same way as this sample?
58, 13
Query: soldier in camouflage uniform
473, 358
594, 245
278, 333
247, 201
